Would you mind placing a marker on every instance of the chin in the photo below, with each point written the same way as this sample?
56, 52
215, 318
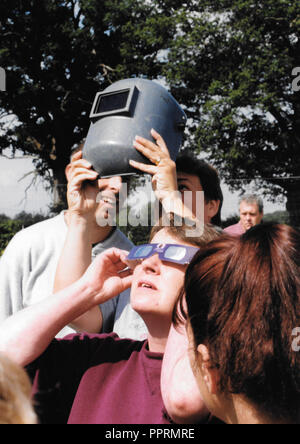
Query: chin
104, 219
142, 305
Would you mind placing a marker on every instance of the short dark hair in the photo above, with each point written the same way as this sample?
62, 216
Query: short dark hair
208, 176
243, 299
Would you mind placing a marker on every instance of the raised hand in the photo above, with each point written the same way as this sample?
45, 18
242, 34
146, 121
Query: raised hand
81, 198
164, 178
105, 277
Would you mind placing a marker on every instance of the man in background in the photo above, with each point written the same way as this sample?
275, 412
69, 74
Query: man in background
251, 213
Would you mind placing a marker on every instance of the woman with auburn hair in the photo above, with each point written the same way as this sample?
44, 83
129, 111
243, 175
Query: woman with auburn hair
242, 305
101, 378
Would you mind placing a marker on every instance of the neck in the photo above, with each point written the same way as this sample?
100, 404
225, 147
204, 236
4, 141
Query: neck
96, 232
158, 335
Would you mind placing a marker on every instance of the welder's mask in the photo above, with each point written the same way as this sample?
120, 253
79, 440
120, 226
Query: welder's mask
126, 109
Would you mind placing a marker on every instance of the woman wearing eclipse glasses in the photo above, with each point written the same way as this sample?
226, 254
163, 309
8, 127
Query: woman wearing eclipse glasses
169, 187
102, 378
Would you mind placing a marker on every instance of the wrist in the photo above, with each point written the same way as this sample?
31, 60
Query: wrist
79, 229
172, 201
74, 218
89, 292
84, 296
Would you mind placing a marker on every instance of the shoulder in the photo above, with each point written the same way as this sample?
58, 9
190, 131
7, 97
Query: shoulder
39, 233
99, 339
117, 239
122, 240
43, 237
107, 346
47, 226
235, 229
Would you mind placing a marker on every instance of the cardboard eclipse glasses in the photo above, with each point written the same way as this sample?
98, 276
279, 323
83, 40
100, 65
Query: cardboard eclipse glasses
178, 254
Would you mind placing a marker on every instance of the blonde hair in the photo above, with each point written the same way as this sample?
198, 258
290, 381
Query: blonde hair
15, 394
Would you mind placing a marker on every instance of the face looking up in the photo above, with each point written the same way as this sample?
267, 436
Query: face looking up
156, 284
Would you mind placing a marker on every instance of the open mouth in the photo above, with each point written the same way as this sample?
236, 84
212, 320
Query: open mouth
108, 200
147, 285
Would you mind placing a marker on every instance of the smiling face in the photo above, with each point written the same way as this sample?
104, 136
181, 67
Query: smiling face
108, 194
156, 284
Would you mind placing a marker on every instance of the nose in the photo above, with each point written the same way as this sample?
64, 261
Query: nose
152, 264
112, 184
115, 184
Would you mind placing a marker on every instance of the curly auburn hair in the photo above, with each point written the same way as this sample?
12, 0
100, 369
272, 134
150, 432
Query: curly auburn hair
243, 302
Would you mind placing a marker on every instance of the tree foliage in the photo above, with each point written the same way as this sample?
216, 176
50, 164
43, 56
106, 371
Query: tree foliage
8, 228
231, 65
57, 54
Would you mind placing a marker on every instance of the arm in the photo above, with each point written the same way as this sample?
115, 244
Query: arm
77, 252
180, 391
74, 261
25, 335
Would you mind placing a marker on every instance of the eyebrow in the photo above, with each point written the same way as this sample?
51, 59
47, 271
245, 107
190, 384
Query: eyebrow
183, 179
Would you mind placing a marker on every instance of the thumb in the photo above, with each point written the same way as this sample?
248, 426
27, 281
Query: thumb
127, 282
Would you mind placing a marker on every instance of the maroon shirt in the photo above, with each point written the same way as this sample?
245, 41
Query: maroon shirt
98, 379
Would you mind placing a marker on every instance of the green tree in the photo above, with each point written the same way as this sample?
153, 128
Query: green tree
57, 54
231, 64
279, 217
9, 227
139, 232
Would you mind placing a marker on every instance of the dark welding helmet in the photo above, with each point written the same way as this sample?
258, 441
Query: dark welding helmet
126, 109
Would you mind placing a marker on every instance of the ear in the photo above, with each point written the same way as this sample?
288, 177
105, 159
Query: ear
212, 208
67, 171
209, 374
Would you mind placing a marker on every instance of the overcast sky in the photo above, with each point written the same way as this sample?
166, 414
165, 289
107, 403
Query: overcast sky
13, 199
